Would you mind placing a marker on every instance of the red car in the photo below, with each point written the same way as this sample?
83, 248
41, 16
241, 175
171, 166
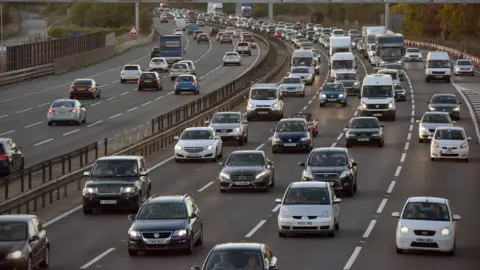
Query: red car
164, 19
278, 34
312, 121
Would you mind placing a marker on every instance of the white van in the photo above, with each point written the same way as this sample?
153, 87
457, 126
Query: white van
391, 72
377, 97
265, 101
438, 67
341, 62
303, 58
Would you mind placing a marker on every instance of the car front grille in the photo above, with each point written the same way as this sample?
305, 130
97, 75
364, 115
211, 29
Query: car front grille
242, 177
377, 106
224, 130
424, 232
109, 189
156, 235
193, 149
300, 217
320, 176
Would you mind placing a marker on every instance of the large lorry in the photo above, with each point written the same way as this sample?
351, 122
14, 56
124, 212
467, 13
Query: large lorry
390, 48
340, 44
215, 8
171, 47
369, 37
246, 10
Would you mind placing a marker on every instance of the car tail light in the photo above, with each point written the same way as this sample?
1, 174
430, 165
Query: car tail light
90, 89
139, 73
3, 157
72, 110
176, 83
156, 81
51, 111
121, 73
194, 83
71, 89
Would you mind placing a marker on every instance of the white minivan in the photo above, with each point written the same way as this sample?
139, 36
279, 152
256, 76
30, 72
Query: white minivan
377, 97
438, 67
265, 101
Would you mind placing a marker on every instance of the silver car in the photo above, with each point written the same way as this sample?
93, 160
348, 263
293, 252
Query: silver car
66, 111
430, 122
230, 126
464, 67
292, 86
304, 73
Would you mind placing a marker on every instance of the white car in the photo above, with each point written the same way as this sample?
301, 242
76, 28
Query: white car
191, 66
237, 33
130, 73
179, 69
449, 143
430, 122
308, 207
413, 55
392, 72
292, 86
306, 74
158, 64
178, 32
426, 223
198, 143
232, 58
229, 31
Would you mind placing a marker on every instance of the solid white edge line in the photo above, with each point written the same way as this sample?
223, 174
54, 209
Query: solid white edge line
96, 259
470, 109
46, 141
369, 229
352, 258
256, 228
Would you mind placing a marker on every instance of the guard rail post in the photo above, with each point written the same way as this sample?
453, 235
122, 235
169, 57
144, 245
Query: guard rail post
69, 163
96, 150
22, 181
29, 178
50, 174
44, 171
105, 144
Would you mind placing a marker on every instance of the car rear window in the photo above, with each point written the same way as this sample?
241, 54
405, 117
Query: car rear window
185, 79
2, 148
242, 44
158, 60
83, 82
179, 66
130, 68
148, 76
231, 54
60, 104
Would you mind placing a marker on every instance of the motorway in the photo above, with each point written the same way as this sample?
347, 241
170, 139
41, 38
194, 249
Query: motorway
387, 176
23, 108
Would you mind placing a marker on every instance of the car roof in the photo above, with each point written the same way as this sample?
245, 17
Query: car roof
64, 99
248, 152
452, 128
84, 79
329, 149
388, 70
435, 112
308, 184
119, 157
16, 218
166, 199
444, 94
198, 128
187, 75
218, 113
427, 199
291, 119
364, 117
238, 245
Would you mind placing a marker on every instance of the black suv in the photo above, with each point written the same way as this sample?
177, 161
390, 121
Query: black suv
116, 182
150, 80
11, 157
166, 223
156, 52
240, 256
364, 130
23, 242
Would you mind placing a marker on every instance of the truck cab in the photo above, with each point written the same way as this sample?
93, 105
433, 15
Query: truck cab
377, 97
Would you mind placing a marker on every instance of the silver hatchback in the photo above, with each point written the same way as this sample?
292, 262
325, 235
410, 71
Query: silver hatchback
66, 111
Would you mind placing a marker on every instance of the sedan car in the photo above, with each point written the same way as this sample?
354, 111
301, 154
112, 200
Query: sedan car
158, 64
304, 73
203, 38
164, 19
179, 69
311, 120
308, 208
426, 224
166, 223
230, 126
293, 86
350, 81
449, 143
66, 111
334, 165
219, 35
445, 103
292, 134
232, 58
150, 80
225, 38
333, 93
85, 88
464, 67
430, 122
413, 55
187, 83
400, 93
364, 130
247, 169
198, 143
11, 157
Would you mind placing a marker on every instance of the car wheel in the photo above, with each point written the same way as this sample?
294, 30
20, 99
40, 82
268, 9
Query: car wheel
265, 189
350, 192
177, 93
420, 140
200, 239
337, 226
178, 160
72, 97
246, 138
274, 151
87, 211
46, 259
432, 159
241, 141
50, 123
380, 144
189, 249
281, 234
132, 253
85, 119
465, 160
272, 184
222, 191
322, 104
331, 233
399, 251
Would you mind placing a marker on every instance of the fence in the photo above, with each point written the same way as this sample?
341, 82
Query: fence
157, 135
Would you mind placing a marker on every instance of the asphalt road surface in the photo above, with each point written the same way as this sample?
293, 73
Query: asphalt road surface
23, 109
366, 240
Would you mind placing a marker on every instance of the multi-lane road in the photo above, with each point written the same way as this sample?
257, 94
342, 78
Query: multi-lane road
23, 109
387, 176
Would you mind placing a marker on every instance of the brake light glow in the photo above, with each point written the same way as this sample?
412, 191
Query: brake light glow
121, 73
71, 89
51, 111
3, 157
72, 110
139, 73
90, 89
156, 81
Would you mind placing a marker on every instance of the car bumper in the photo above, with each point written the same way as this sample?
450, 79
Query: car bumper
13, 264
293, 226
232, 61
400, 97
203, 40
164, 68
409, 242
82, 94
465, 72
364, 140
148, 86
232, 136
333, 100
191, 89
352, 90
129, 79
244, 52
266, 113
460, 153
184, 155
293, 92
226, 41
298, 146
438, 76
244, 185
107, 202
172, 244
62, 118
4, 166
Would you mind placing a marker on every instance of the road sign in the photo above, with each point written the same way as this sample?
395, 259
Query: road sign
133, 31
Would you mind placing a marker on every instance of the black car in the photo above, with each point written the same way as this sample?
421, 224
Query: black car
332, 164
445, 103
156, 52
240, 256
85, 88
116, 182
203, 38
24, 242
364, 130
292, 134
214, 31
11, 157
166, 223
247, 169
149, 80
400, 93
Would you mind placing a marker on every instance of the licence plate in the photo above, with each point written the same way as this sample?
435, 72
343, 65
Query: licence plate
262, 112
222, 134
363, 139
130, 78
438, 77
423, 240
81, 89
377, 114
290, 144
61, 113
156, 241
185, 88
193, 155
148, 81
332, 99
108, 202
304, 223
242, 183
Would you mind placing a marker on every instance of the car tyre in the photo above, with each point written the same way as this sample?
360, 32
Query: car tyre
273, 181
321, 105
200, 239
189, 249
331, 233
351, 191
87, 211
177, 93
381, 143
399, 251
241, 141
465, 160
132, 253
45, 263
337, 226
85, 119
281, 234
50, 123
274, 151
72, 97
344, 105
432, 159
420, 140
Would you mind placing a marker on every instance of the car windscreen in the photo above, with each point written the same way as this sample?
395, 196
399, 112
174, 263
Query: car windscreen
413, 50
234, 258
231, 54
327, 159
364, 123
436, 118
444, 99
426, 211
393, 66
377, 91
392, 74
302, 61
130, 68
263, 94
63, 104
185, 79
346, 76
197, 135
115, 168
158, 211
82, 83
246, 159
13, 231
292, 80
307, 196
242, 44
464, 63
226, 118
438, 64
291, 126
333, 87
449, 134
342, 64
148, 76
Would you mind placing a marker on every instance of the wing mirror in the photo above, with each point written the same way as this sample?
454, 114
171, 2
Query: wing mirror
269, 162
131, 217
469, 139
144, 173
35, 238
396, 214
301, 164
176, 138
207, 122
354, 163
278, 200
86, 173
346, 126
221, 164
337, 201
456, 218
418, 121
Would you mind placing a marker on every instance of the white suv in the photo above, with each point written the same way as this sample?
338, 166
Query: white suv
130, 73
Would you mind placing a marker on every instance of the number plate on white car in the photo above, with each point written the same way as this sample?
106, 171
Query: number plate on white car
108, 202
423, 240
242, 183
193, 155
304, 223
156, 241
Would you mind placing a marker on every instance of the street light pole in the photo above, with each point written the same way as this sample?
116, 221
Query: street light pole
1, 24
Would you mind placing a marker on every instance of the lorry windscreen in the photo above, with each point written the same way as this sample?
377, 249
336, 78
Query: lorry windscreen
377, 91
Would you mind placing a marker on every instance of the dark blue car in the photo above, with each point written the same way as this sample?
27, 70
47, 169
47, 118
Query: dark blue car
292, 134
333, 93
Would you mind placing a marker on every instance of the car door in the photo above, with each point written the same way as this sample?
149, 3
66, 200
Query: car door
144, 181
78, 107
42, 234
35, 246
16, 154
244, 125
193, 221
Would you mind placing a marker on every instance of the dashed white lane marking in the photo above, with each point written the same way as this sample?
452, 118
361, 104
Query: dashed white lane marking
110, 98
96, 123
206, 186
71, 132
146, 103
132, 109
382, 205
339, 136
305, 108
391, 186
3, 116
397, 172
43, 142
369, 228
256, 228
95, 104
8, 132
276, 208
160, 97
352, 258
205, 54
34, 124
44, 104
402, 159
25, 110
124, 93
170, 93
96, 259
116, 115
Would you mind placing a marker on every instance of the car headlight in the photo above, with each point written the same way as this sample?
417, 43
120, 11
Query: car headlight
129, 190
275, 105
180, 233
261, 175
376, 134
134, 234
431, 109
445, 232
457, 109
390, 105
15, 255
325, 214
277, 139
304, 139
399, 61
323, 95
284, 214
356, 83
348, 134
237, 129
464, 145
224, 175
178, 147
363, 106
435, 145
344, 174
404, 229
425, 130
89, 190
340, 95
210, 147
250, 105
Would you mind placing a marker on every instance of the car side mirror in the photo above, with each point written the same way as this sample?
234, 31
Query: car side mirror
346, 126
456, 218
194, 215
460, 102
428, 102
269, 162
417, 121
354, 163
278, 200
144, 173
176, 138
86, 173
396, 214
131, 217
195, 268
221, 164
207, 122
272, 130
337, 201
430, 137
469, 139
301, 164
35, 238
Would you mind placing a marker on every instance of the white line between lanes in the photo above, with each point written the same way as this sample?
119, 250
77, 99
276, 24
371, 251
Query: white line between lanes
95, 104
110, 98
96, 259
43, 142
390, 188
382, 205
34, 124
369, 228
96, 123
8, 132
44, 104
206, 186
3, 116
276, 208
352, 258
114, 116
71, 132
25, 110
132, 109
397, 172
256, 228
